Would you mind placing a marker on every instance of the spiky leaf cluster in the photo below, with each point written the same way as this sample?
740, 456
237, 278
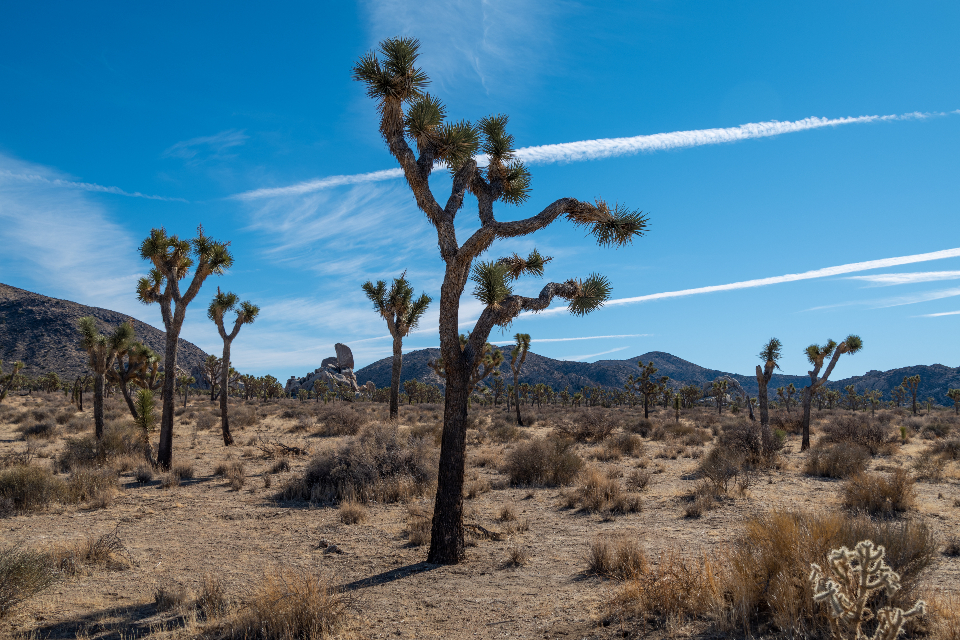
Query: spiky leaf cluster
395, 76
490, 278
507, 174
397, 304
771, 352
172, 257
591, 294
517, 266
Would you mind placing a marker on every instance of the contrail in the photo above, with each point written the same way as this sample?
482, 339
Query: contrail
631, 335
83, 186
606, 148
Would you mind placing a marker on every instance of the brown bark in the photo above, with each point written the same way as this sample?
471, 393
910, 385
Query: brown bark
395, 376
98, 406
224, 393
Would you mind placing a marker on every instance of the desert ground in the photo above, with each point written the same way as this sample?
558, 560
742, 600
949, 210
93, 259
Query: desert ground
231, 521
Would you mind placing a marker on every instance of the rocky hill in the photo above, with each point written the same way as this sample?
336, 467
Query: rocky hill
42, 332
559, 374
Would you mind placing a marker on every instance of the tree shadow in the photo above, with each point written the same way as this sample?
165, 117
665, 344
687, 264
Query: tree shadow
388, 576
115, 623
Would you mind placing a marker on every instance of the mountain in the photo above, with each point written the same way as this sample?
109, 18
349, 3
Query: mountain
43, 333
612, 374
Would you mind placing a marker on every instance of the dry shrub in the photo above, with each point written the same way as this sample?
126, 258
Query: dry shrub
78, 423
859, 429
352, 512
840, 460
475, 487
429, 431
620, 558
948, 449
705, 497
721, 466
281, 465
929, 467
206, 421
94, 486
945, 610
235, 474
244, 416
185, 470
639, 479
547, 461
517, 556
485, 459
143, 474
676, 588
419, 525
212, 602
503, 431
106, 551
626, 444
380, 464
119, 439
598, 493
507, 513
792, 424
880, 495
23, 574
288, 604
65, 415
767, 566
28, 488
588, 425
42, 430
642, 427
169, 481
169, 595
340, 419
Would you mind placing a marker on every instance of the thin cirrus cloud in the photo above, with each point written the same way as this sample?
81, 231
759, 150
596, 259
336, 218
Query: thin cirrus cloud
631, 335
887, 279
39, 180
586, 150
205, 147
939, 315
593, 355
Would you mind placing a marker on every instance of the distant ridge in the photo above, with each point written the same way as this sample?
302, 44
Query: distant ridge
42, 332
612, 374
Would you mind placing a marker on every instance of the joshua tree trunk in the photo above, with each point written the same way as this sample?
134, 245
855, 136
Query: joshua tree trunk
645, 407
807, 403
762, 381
98, 405
224, 389
395, 377
125, 389
516, 397
446, 545
165, 445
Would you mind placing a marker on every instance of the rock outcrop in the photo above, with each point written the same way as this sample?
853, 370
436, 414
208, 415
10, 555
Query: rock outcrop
338, 369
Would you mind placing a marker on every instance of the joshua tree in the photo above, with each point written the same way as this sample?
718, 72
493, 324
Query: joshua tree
517, 356
719, 392
183, 383
409, 115
911, 384
786, 395
402, 314
172, 258
647, 386
102, 351
246, 312
498, 387
816, 354
734, 386
954, 394
6, 381
138, 365
873, 397
769, 355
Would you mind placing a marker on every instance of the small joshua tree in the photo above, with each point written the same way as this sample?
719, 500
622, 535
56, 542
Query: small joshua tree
410, 116
172, 259
648, 386
816, 354
6, 381
402, 314
912, 384
954, 394
769, 355
517, 356
102, 351
138, 365
246, 312
851, 578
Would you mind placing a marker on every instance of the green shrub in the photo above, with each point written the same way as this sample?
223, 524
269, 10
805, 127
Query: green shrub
542, 462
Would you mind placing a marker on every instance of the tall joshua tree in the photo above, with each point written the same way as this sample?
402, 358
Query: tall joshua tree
246, 312
912, 383
102, 351
769, 355
816, 354
517, 355
410, 116
402, 314
172, 259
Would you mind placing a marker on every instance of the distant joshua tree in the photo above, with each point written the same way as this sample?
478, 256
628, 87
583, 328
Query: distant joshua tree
402, 314
102, 351
769, 355
172, 259
786, 395
648, 386
954, 394
246, 312
816, 354
912, 383
408, 115
138, 365
6, 381
517, 357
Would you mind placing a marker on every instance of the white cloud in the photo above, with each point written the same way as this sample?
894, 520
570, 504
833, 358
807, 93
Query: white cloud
538, 340
206, 147
885, 279
938, 315
920, 297
594, 355
32, 175
63, 243
585, 150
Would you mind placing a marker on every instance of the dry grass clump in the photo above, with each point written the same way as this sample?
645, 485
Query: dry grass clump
352, 512
621, 558
143, 474
929, 467
947, 449
23, 574
340, 419
598, 493
642, 427
429, 431
840, 460
639, 479
288, 604
120, 439
281, 465
206, 421
28, 487
419, 525
676, 589
96, 487
243, 416
44, 429
380, 464
502, 430
106, 551
945, 610
880, 495
588, 425
212, 602
185, 470
169, 595
547, 462
859, 428
517, 556
624, 444
766, 584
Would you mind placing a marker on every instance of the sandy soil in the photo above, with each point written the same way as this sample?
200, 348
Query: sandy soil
178, 535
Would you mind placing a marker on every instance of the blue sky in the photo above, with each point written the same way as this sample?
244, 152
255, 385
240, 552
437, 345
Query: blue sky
115, 119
